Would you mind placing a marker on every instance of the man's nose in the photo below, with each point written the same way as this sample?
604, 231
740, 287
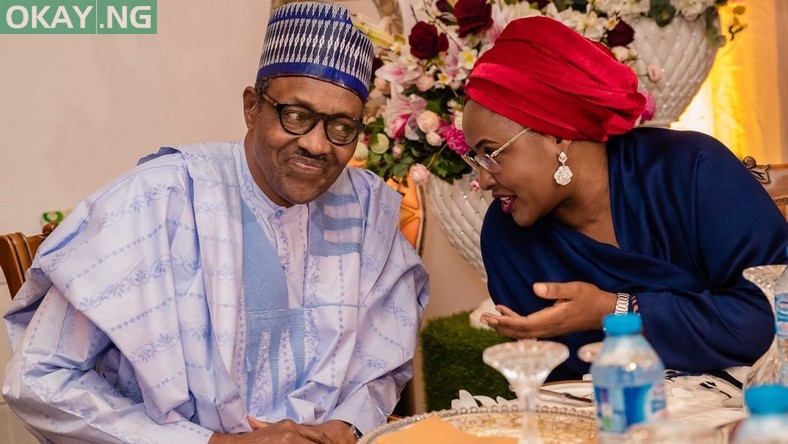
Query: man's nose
315, 140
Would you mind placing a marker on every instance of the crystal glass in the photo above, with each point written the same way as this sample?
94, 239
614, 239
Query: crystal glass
675, 432
766, 370
526, 364
589, 352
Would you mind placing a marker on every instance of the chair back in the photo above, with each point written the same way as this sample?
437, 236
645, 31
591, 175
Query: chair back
16, 254
774, 178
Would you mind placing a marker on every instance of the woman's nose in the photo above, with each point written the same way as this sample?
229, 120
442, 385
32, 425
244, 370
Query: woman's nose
486, 179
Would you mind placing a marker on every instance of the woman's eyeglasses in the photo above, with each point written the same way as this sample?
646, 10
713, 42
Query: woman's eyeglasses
486, 161
299, 119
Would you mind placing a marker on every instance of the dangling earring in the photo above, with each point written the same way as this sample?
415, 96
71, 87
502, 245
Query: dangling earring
563, 175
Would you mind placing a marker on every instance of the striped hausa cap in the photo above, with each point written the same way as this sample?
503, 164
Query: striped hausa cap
317, 40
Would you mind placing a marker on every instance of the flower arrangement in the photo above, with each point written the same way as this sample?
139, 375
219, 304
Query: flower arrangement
414, 114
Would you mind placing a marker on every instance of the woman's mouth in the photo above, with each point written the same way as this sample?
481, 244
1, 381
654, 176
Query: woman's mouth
507, 203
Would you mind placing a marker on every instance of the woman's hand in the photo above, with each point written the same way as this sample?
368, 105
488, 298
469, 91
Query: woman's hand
578, 306
287, 432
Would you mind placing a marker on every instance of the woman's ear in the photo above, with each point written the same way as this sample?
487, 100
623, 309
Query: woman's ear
251, 106
562, 144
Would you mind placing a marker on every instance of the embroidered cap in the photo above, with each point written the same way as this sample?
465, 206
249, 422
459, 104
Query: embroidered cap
317, 40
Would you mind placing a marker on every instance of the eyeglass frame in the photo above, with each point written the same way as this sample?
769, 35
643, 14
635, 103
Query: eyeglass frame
492, 166
317, 117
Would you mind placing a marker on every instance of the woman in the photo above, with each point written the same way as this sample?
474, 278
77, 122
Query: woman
593, 217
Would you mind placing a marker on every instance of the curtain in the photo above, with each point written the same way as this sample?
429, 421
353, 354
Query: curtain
744, 101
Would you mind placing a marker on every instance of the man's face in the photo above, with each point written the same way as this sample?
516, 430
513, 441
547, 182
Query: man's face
292, 169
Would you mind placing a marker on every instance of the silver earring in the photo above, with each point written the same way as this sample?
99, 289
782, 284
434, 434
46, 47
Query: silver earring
563, 175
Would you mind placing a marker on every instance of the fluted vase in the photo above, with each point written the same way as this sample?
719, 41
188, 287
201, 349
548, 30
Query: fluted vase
680, 57
460, 212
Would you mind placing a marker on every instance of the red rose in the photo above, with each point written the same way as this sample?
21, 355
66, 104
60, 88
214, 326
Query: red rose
621, 35
443, 6
425, 43
473, 16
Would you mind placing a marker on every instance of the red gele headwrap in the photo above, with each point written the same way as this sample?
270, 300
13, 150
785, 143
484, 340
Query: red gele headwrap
547, 77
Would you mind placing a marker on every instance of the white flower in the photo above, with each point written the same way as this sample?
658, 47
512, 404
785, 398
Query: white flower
382, 85
428, 121
467, 58
621, 53
419, 174
458, 120
434, 138
691, 9
380, 145
362, 151
623, 7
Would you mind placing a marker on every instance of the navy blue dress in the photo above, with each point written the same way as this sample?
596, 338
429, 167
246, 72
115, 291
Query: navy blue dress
688, 217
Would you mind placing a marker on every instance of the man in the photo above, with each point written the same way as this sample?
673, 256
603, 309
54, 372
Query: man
236, 292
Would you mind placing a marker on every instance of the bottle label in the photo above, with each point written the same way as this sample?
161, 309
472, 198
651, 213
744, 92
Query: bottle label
781, 314
619, 408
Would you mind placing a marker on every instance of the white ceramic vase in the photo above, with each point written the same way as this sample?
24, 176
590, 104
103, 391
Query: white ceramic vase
459, 212
683, 56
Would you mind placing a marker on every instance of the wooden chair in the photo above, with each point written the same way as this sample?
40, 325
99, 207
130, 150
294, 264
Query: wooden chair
774, 178
16, 254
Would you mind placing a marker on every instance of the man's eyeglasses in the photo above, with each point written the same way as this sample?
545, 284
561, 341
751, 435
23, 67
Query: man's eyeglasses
299, 119
486, 161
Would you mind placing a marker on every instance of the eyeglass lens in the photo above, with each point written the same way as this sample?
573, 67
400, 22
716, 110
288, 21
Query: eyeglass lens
297, 119
477, 161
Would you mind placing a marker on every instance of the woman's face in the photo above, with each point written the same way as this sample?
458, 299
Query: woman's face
525, 184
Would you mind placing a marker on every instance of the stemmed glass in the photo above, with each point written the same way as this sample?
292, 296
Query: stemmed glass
766, 369
526, 364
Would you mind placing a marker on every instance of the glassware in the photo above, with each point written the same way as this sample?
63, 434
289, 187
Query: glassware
766, 370
676, 432
589, 352
526, 364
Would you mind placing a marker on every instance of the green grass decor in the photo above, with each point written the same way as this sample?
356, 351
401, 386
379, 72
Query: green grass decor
452, 360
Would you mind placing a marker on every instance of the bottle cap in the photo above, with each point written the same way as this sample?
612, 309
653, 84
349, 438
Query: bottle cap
619, 325
767, 399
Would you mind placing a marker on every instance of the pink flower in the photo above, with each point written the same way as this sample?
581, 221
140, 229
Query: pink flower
455, 139
399, 109
397, 73
434, 138
428, 121
651, 107
425, 82
474, 185
419, 174
654, 73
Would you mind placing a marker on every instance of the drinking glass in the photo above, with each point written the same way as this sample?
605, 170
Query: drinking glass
526, 364
766, 370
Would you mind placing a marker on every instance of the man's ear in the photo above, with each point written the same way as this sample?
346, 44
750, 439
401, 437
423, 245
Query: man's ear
251, 106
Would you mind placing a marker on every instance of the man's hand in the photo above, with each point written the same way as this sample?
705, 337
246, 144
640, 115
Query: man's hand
578, 306
287, 431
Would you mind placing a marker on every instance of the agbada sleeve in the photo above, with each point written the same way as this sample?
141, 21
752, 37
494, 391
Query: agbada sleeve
52, 386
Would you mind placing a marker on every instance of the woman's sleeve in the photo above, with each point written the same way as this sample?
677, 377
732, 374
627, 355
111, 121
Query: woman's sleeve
736, 226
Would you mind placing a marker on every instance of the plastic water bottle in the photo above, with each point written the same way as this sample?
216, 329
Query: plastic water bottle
628, 379
768, 420
781, 322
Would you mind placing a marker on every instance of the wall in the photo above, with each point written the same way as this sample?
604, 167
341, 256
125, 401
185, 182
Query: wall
76, 111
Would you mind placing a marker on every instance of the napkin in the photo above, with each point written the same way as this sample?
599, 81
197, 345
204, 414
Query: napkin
433, 430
